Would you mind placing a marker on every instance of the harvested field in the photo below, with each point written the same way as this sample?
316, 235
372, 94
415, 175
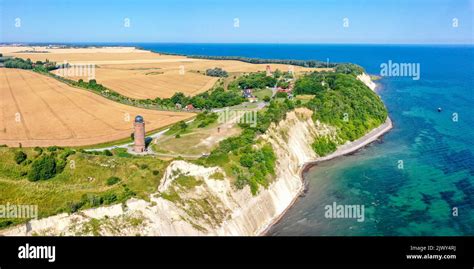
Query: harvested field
142, 74
36, 110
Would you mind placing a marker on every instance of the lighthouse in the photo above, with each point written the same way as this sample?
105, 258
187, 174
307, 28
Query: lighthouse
139, 134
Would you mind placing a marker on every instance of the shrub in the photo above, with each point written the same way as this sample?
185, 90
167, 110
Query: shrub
266, 98
156, 172
62, 160
74, 207
5, 223
218, 176
216, 72
109, 198
53, 148
42, 168
281, 95
38, 150
323, 146
20, 157
112, 180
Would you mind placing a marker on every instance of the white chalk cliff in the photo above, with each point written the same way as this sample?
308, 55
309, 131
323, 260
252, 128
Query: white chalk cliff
367, 81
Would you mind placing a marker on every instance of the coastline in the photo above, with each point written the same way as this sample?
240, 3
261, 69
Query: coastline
343, 150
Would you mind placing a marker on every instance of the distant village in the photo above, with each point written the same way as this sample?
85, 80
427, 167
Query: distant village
248, 93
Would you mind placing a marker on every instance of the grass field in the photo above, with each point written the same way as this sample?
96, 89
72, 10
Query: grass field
40, 111
143, 74
304, 98
260, 94
195, 141
85, 181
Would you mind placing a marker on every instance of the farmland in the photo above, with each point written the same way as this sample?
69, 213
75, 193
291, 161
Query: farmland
37, 110
142, 74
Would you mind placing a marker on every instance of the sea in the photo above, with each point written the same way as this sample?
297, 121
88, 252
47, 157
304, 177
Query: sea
418, 180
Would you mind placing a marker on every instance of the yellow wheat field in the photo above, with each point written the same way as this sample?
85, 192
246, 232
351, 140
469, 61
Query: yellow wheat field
142, 74
36, 110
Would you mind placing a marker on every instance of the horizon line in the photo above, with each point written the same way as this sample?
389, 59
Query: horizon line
220, 43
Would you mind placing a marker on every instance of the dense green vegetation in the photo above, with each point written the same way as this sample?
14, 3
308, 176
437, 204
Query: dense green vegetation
281, 95
112, 181
205, 119
42, 168
283, 84
323, 146
349, 68
20, 157
28, 64
342, 101
258, 80
216, 72
18, 63
216, 98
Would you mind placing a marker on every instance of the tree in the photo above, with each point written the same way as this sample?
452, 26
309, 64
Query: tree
112, 180
42, 168
20, 157
183, 125
216, 72
281, 95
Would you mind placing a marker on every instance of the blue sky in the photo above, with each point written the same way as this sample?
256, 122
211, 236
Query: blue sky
260, 21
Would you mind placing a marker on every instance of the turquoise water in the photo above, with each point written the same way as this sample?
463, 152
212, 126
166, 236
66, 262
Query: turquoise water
437, 152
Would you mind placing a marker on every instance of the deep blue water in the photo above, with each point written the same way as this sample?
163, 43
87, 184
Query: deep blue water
437, 152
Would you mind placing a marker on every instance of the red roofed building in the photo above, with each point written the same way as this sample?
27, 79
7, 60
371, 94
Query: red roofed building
269, 71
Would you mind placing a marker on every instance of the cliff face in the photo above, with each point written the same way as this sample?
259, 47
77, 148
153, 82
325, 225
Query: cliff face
197, 200
367, 81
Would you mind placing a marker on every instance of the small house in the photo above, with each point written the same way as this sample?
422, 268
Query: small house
247, 93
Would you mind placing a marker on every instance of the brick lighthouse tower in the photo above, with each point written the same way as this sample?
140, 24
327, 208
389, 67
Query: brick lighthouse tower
139, 134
